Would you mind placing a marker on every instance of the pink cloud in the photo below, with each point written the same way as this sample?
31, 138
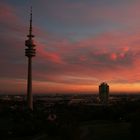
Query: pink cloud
113, 56
54, 57
60, 61
7, 13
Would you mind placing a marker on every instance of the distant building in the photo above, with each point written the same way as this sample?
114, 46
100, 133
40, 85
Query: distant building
104, 93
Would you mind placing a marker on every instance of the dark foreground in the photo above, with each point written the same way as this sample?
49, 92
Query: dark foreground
63, 121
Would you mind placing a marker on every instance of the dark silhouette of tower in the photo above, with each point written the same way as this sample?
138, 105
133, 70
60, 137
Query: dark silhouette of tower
30, 52
103, 93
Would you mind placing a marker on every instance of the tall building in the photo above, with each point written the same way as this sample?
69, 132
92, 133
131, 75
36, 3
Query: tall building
104, 93
30, 52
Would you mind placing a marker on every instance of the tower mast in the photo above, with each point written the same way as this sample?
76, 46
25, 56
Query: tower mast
30, 52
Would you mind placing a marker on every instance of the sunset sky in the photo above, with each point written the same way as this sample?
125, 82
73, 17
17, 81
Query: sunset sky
79, 43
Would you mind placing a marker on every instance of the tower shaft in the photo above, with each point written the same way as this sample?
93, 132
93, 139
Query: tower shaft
29, 84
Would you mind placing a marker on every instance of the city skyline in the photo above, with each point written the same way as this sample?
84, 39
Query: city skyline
79, 45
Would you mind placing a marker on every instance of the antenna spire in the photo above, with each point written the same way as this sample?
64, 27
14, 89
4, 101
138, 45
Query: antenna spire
30, 28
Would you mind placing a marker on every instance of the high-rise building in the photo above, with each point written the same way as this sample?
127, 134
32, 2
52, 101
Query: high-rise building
104, 93
30, 52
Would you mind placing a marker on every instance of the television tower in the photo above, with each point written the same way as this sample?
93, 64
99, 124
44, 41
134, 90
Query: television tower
30, 52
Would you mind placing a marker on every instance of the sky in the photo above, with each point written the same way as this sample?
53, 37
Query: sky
79, 44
